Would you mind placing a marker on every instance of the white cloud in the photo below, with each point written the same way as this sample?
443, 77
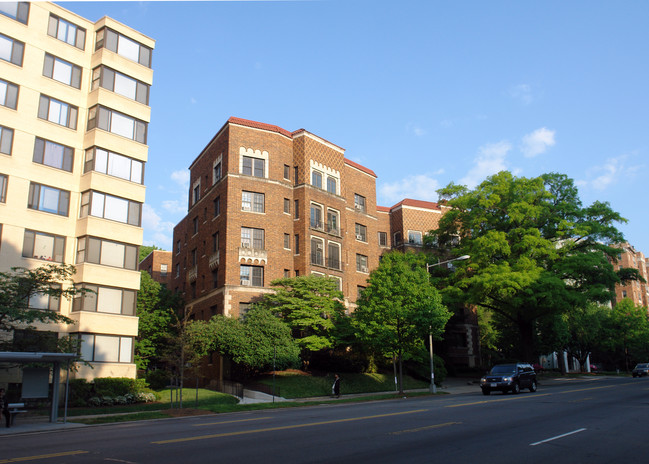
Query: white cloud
418, 187
490, 160
415, 129
537, 142
609, 173
174, 206
522, 92
156, 231
181, 178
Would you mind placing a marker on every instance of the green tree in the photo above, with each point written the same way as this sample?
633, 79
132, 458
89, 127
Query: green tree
20, 285
627, 332
145, 250
309, 305
258, 341
535, 250
158, 310
399, 308
586, 330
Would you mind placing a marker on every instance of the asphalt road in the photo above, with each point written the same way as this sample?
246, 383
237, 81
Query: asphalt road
600, 421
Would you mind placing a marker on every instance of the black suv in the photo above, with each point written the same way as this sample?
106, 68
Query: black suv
509, 377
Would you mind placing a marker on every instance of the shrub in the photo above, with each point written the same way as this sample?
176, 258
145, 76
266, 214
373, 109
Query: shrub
94, 401
158, 379
79, 392
119, 386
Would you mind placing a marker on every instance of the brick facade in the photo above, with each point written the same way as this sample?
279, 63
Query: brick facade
158, 264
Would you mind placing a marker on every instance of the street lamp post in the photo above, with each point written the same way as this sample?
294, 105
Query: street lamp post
433, 388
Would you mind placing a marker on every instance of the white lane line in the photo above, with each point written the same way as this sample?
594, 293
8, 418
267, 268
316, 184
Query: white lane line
557, 437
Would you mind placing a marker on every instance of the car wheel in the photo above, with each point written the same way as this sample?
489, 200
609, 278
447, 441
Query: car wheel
533, 386
516, 389
485, 391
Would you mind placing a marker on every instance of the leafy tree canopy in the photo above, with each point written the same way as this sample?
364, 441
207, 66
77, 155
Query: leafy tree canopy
145, 250
535, 250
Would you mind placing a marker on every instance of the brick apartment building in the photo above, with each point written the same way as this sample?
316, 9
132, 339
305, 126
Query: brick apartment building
638, 292
74, 111
266, 203
158, 264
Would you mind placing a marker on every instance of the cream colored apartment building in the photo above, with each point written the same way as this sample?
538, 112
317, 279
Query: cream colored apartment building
74, 114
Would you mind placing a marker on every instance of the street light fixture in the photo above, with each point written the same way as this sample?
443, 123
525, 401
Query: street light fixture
433, 388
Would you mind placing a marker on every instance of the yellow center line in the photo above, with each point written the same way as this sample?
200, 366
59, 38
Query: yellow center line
429, 427
285, 427
231, 422
43, 456
496, 401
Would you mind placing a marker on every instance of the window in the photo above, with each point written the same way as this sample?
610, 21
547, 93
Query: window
8, 92
117, 123
317, 251
62, 71
332, 185
121, 84
253, 166
383, 239
15, 10
623, 293
215, 242
216, 171
287, 206
3, 188
6, 140
215, 279
333, 255
316, 179
106, 348
105, 300
359, 203
397, 238
106, 252
295, 171
359, 291
35, 341
252, 238
287, 241
361, 263
361, 232
193, 258
11, 50
287, 172
113, 164
177, 246
163, 270
414, 237
252, 276
58, 112
177, 270
123, 46
297, 209
296, 241
43, 246
252, 201
53, 154
48, 199
217, 206
67, 32
287, 273
316, 217
44, 301
196, 192
195, 225
105, 206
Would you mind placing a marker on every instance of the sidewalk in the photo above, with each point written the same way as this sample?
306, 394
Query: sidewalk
452, 385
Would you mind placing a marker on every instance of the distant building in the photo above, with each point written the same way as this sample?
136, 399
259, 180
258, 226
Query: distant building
266, 203
74, 113
638, 292
158, 265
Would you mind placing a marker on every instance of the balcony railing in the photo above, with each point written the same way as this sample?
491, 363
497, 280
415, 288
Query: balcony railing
192, 274
214, 260
317, 224
317, 259
333, 230
333, 263
253, 253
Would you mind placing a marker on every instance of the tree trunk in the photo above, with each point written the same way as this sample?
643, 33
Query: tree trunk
526, 331
400, 374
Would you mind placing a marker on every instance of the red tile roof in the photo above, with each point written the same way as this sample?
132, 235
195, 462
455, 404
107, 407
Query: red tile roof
417, 204
383, 209
260, 125
362, 168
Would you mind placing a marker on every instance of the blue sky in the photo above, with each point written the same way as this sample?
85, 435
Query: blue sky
422, 92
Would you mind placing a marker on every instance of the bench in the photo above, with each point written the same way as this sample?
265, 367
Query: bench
14, 410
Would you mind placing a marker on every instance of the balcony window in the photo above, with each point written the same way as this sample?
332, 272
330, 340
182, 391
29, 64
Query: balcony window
8, 93
58, 112
106, 206
107, 253
251, 276
105, 300
11, 50
333, 226
62, 71
15, 10
53, 154
317, 252
6, 140
252, 201
333, 255
123, 46
117, 123
47, 247
113, 164
252, 238
316, 217
48, 199
67, 32
121, 84
414, 237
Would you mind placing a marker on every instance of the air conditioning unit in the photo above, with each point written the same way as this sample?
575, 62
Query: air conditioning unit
363, 268
245, 245
359, 237
245, 283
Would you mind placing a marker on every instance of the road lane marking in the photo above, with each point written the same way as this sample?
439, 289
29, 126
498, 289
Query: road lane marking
284, 427
429, 427
511, 398
231, 422
557, 437
43, 456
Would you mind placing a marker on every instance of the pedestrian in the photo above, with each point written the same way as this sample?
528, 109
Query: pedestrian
4, 407
335, 388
